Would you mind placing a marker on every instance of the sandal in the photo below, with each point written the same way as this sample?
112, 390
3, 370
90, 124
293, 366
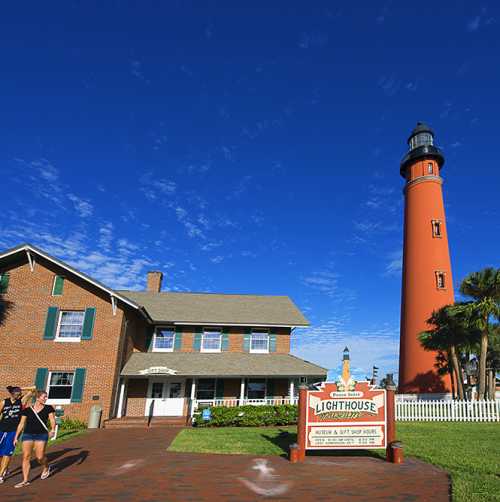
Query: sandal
46, 474
22, 484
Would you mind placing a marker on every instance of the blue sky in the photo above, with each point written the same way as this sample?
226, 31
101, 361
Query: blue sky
250, 149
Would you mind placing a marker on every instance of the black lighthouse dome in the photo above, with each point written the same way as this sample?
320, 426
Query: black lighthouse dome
421, 143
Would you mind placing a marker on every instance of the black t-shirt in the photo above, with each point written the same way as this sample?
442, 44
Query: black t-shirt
33, 425
11, 415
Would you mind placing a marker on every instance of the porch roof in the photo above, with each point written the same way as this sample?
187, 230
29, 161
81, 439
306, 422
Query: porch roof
226, 364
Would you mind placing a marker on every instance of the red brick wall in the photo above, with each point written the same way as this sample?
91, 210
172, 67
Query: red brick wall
23, 348
136, 397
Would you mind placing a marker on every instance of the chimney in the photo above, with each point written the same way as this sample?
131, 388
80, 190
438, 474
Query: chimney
154, 281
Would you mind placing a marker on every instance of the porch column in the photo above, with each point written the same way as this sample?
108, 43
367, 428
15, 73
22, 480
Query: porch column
193, 397
121, 398
291, 390
242, 391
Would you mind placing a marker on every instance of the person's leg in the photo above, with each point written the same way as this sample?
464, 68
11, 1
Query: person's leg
40, 455
27, 449
4, 465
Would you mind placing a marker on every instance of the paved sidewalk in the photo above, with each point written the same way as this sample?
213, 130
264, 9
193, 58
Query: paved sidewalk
134, 465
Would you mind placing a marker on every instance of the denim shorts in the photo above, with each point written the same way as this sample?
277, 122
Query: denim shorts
35, 437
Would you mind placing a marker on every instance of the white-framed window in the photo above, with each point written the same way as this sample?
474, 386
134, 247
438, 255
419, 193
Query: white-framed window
256, 388
60, 387
211, 340
436, 228
205, 388
164, 340
430, 168
70, 325
440, 280
259, 341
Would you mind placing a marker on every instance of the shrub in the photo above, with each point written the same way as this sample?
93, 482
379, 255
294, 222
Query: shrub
72, 424
249, 416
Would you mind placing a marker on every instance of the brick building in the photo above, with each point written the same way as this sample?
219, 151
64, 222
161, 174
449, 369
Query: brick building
141, 353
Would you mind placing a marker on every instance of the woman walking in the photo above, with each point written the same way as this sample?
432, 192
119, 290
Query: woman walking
10, 416
37, 425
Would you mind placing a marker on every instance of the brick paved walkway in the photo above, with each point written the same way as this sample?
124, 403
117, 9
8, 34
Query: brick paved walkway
133, 465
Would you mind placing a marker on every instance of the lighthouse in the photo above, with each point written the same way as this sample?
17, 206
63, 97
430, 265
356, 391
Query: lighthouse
427, 280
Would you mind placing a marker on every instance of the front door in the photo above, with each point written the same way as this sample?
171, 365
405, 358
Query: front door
165, 398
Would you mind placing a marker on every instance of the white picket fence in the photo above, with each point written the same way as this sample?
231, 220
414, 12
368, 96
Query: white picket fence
448, 411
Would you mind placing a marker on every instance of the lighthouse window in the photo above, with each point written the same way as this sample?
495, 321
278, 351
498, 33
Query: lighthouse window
440, 280
430, 168
436, 228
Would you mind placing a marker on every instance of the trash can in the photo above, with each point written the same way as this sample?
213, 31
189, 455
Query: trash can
95, 417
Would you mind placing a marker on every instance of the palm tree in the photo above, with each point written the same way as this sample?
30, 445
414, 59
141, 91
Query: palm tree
493, 359
484, 288
448, 334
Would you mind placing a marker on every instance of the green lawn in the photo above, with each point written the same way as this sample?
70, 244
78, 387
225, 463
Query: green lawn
469, 452
61, 437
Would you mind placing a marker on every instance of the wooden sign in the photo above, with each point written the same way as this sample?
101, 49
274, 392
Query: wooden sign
345, 416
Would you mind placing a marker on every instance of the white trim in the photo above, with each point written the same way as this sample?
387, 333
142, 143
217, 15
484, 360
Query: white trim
113, 304
61, 264
154, 349
213, 324
121, 397
69, 339
31, 261
242, 390
260, 351
47, 388
214, 332
54, 284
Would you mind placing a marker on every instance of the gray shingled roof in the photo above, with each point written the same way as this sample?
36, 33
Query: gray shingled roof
217, 308
227, 364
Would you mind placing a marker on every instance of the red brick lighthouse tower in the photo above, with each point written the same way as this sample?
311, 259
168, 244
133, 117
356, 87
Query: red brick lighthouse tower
427, 280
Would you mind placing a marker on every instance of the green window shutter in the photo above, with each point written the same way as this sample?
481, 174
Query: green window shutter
88, 324
178, 338
225, 340
272, 343
219, 389
149, 339
78, 384
58, 285
246, 340
269, 388
197, 339
41, 378
51, 323
4, 283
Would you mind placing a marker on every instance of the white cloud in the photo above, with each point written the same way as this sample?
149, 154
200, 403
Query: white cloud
394, 266
324, 345
83, 207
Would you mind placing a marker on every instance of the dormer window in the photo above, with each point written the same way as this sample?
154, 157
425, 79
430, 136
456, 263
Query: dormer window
436, 228
164, 340
259, 342
211, 340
